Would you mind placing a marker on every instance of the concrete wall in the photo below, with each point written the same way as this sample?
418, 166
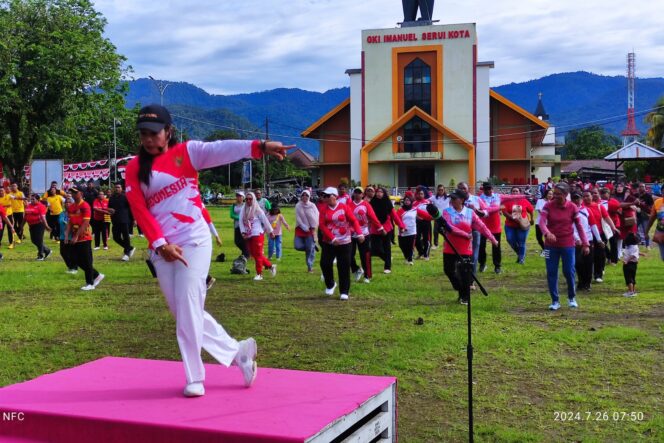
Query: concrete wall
355, 125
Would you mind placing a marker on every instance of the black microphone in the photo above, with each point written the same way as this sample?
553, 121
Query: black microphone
435, 213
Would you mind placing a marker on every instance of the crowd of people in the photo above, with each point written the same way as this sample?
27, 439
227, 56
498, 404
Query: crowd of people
583, 225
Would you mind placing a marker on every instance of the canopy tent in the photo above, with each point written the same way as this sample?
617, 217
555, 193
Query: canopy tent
633, 151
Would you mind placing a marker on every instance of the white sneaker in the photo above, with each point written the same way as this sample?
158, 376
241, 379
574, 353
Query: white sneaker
210, 283
125, 257
195, 389
72, 271
598, 280
434, 247
88, 288
245, 359
96, 248
387, 271
627, 294
273, 270
98, 280
343, 297
105, 248
258, 277
330, 291
366, 280
425, 258
409, 263
542, 254
132, 252
358, 274
554, 306
572, 303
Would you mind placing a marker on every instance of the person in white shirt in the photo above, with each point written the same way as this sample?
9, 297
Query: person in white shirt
547, 197
442, 202
162, 190
253, 225
584, 263
630, 262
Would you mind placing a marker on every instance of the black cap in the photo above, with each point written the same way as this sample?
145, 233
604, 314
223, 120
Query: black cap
487, 185
74, 190
458, 194
153, 117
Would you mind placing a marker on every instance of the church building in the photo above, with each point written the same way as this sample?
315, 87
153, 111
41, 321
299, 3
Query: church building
421, 112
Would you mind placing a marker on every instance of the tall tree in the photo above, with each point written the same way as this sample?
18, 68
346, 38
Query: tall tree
59, 77
589, 143
655, 135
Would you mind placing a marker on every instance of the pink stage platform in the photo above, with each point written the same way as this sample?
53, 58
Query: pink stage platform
132, 400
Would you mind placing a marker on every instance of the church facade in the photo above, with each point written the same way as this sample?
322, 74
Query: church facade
421, 112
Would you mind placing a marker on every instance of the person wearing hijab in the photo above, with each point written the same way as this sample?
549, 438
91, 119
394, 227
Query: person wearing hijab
306, 223
253, 225
381, 244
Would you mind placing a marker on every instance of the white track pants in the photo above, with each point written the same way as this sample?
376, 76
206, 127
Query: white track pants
184, 288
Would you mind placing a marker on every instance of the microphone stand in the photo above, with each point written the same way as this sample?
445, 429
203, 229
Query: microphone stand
467, 276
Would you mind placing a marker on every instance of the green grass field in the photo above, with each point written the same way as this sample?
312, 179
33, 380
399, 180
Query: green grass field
532, 367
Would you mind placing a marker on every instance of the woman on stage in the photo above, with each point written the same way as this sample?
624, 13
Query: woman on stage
162, 189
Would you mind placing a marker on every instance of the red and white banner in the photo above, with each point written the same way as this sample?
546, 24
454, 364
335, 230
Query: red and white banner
85, 170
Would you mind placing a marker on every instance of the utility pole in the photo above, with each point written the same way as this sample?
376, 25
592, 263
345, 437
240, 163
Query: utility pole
266, 162
161, 86
116, 122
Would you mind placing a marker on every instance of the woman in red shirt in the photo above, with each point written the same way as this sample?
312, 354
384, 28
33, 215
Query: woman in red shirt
336, 223
35, 217
557, 221
515, 232
79, 235
99, 209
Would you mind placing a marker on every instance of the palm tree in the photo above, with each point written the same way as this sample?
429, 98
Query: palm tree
655, 135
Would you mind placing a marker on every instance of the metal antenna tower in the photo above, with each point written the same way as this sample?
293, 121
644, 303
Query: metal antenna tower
630, 133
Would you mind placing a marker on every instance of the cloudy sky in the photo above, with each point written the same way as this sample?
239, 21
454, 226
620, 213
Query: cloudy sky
228, 47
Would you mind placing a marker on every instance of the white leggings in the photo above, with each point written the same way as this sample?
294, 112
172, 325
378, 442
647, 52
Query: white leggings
184, 288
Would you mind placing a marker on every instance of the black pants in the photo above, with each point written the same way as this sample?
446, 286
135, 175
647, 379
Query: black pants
82, 254
239, 242
423, 241
121, 236
381, 246
67, 254
612, 253
19, 221
539, 236
450, 267
437, 225
99, 231
365, 256
584, 267
629, 272
496, 254
342, 254
407, 244
54, 223
10, 235
599, 256
37, 238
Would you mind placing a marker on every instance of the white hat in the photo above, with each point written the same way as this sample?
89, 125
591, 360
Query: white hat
306, 192
331, 191
240, 193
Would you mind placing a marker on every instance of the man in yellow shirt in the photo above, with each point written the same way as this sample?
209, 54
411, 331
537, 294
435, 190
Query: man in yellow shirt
54, 202
6, 203
18, 208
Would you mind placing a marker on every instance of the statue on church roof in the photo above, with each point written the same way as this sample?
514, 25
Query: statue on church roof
410, 8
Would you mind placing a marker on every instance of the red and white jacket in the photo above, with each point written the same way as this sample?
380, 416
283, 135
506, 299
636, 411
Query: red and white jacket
409, 219
461, 224
365, 215
337, 223
169, 210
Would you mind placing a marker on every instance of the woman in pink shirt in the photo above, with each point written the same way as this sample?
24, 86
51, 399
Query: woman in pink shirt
557, 221
460, 222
